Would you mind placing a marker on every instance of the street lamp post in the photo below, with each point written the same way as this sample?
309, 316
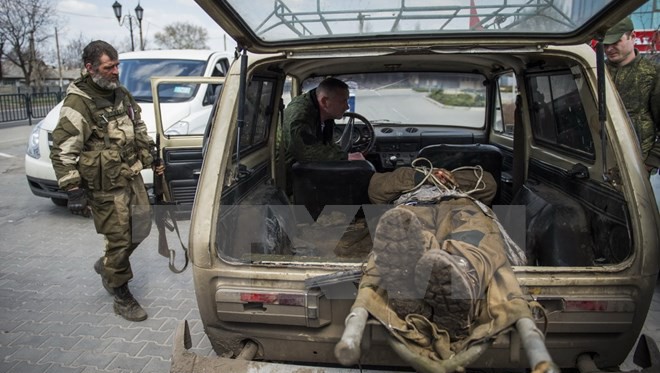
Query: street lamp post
139, 12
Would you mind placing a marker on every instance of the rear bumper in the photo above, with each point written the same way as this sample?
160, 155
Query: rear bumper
184, 361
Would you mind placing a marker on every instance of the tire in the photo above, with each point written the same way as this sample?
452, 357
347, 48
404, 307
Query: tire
62, 202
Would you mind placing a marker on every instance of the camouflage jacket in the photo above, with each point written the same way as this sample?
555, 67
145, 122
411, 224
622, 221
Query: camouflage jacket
638, 84
305, 137
98, 144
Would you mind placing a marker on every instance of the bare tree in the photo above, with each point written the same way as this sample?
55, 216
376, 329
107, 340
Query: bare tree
25, 24
181, 35
3, 42
71, 54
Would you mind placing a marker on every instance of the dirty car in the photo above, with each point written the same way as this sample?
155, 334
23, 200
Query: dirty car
510, 85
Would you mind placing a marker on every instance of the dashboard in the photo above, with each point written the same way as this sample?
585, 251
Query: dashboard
398, 145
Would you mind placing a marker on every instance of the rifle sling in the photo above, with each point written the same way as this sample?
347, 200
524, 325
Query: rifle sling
160, 223
172, 252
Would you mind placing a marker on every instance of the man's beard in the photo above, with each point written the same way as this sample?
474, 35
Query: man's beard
103, 82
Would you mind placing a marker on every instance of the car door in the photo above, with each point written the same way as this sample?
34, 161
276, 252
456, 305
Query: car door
181, 154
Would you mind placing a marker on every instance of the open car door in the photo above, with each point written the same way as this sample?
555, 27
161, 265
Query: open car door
182, 154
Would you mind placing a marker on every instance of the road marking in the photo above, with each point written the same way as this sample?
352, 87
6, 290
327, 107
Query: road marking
6, 155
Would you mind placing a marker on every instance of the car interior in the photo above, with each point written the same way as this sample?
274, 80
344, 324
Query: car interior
526, 117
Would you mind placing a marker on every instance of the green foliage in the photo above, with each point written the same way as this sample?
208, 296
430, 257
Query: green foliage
181, 35
458, 99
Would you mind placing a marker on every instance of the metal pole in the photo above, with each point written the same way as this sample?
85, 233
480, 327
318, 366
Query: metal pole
241, 108
348, 351
59, 60
141, 42
534, 343
130, 26
602, 105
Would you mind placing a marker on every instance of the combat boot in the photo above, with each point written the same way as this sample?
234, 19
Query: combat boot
126, 306
99, 268
398, 246
450, 288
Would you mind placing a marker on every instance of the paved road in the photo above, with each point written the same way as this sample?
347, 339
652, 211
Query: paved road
54, 314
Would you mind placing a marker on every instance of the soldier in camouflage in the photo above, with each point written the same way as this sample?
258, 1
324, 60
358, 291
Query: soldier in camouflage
100, 145
309, 122
638, 82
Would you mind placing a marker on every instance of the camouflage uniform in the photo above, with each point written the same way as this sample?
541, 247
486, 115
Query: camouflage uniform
305, 137
638, 84
460, 226
101, 144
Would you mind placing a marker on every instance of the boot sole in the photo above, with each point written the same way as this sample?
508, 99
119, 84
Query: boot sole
398, 245
447, 291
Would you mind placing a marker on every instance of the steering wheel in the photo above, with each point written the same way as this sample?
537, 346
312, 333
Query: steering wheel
352, 140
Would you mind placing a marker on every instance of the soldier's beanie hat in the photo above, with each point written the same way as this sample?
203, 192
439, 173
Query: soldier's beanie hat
616, 32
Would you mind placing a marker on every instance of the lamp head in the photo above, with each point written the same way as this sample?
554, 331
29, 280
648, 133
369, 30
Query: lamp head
117, 9
139, 12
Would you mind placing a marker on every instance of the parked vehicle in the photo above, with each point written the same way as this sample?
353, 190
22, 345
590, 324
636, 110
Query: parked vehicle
513, 88
186, 107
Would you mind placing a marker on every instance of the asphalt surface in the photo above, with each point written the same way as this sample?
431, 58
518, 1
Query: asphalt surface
54, 314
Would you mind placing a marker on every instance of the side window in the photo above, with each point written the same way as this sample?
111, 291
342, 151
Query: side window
558, 117
505, 104
258, 113
213, 90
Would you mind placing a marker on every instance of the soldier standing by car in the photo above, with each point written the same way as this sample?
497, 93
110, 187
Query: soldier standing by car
638, 82
100, 145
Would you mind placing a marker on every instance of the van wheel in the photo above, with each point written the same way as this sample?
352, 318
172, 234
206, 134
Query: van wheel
60, 201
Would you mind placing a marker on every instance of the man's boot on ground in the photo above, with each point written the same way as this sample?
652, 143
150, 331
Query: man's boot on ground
450, 289
398, 245
99, 268
126, 306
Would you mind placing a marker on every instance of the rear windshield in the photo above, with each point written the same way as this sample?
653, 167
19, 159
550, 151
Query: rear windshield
135, 75
275, 21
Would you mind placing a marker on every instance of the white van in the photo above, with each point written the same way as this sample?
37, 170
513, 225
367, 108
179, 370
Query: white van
185, 108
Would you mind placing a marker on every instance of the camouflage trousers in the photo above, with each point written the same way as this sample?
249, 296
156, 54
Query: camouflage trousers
460, 227
123, 216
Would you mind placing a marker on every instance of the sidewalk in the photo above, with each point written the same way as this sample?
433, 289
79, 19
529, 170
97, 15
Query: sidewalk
56, 317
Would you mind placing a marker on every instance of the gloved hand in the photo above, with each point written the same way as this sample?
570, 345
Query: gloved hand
78, 202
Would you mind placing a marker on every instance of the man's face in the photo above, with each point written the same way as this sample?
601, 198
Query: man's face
335, 104
106, 75
623, 51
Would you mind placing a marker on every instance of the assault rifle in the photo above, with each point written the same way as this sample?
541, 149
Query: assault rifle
164, 217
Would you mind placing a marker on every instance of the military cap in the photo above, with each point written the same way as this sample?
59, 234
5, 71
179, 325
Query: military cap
616, 32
